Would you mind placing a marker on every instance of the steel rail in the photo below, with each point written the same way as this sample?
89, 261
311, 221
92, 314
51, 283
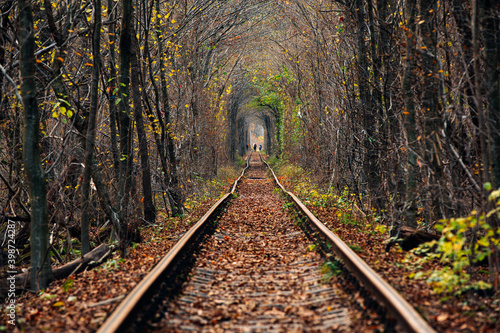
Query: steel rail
122, 318
404, 313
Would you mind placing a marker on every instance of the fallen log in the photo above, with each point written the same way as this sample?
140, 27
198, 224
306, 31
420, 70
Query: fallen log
89, 260
410, 238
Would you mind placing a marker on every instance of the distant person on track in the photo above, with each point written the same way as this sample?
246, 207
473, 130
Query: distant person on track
260, 147
254, 147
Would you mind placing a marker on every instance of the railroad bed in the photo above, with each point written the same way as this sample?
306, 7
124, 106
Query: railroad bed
253, 270
256, 272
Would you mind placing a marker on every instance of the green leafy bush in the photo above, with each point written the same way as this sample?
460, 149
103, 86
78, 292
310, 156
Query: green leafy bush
465, 241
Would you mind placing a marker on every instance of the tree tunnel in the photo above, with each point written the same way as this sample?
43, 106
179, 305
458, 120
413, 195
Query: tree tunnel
255, 125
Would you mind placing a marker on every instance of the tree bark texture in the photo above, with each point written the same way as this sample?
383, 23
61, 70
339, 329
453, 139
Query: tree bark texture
125, 127
41, 273
92, 119
410, 209
149, 208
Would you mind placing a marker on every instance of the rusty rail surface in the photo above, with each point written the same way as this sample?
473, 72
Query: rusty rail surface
402, 311
122, 319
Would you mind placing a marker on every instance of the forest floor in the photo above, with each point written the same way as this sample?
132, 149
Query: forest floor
81, 303
257, 273
468, 312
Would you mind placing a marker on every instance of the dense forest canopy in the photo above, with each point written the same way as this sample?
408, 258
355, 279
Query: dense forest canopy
109, 111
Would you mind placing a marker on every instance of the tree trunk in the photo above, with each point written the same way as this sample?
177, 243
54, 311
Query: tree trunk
126, 158
278, 114
41, 272
269, 135
174, 192
3, 44
491, 31
431, 108
149, 208
92, 119
74, 267
112, 90
370, 167
410, 210
489, 12
241, 137
463, 20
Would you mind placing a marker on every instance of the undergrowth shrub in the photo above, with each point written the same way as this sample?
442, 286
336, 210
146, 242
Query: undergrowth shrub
213, 188
465, 241
302, 184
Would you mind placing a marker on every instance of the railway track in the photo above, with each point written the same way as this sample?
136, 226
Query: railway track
253, 271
